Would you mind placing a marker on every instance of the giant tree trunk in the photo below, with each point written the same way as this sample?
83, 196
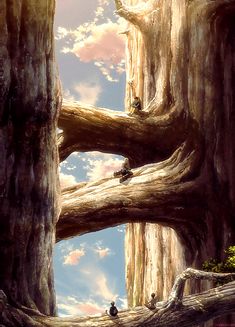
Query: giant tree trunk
180, 57
187, 51
28, 169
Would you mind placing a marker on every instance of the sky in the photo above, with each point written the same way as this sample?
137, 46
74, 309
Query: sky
89, 270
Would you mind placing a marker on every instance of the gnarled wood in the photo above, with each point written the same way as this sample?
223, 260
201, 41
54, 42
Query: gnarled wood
87, 128
191, 311
161, 192
29, 163
181, 62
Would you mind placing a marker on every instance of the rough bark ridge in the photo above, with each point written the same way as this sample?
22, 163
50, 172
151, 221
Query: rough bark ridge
177, 311
200, 78
28, 168
180, 59
183, 67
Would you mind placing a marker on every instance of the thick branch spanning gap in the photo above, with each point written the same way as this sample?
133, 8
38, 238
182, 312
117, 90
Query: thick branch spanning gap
87, 128
192, 311
155, 193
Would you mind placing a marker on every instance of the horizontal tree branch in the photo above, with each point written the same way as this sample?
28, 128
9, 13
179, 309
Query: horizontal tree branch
192, 311
155, 193
88, 128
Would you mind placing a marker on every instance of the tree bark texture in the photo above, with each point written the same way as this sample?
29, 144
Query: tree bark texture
181, 63
28, 169
191, 56
177, 311
180, 59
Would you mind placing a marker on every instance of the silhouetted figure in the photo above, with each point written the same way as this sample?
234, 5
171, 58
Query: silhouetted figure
113, 311
125, 172
152, 303
136, 105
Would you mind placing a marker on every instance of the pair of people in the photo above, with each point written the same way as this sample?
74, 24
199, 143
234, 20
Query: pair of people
113, 311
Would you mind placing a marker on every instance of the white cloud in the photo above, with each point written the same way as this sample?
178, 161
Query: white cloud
103, 2
65, 246
88, 92
121, 229
67, 180
99, 11
73, 257
68, 96
102, 44
64, 163
123, 303
102, 252
62, 32
102, 287
71, 167
71, 306
98, 41
102, 168
98, 283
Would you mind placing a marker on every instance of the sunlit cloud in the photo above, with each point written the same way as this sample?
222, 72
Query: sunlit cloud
67, 180
98, 283
103, 289
90, 308
102, 168
88, 92
103, 2
102, 252
71, 306
68, 96
73, 257
98, 41
65, 246
121, 229
123, 301
104, 44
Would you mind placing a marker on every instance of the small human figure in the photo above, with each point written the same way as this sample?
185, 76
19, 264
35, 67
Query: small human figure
125, 171
136, 105
113, 311
152, 303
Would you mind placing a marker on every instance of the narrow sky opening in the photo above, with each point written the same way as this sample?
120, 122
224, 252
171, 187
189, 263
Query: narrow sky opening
89, 270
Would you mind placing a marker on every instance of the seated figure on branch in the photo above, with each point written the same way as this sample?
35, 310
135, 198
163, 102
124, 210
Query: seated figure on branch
136, 106
125, 171
151, 304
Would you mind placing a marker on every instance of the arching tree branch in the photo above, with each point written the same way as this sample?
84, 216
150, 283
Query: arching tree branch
155, 193
88, 128
177, 292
